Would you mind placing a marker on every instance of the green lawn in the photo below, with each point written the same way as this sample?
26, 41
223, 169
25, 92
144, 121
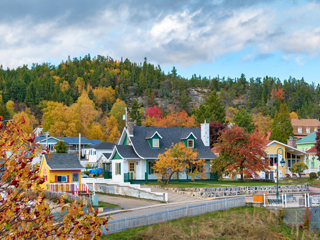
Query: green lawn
236, 223
303, 180
223, 183
106, 204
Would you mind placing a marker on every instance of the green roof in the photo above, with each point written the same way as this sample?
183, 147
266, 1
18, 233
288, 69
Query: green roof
311, 138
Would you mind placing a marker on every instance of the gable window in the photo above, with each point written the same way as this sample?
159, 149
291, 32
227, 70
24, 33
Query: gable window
308, 130
62, 178
300, 130
155, 143
190, 143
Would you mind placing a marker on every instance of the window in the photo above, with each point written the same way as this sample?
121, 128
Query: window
315, 129
118, 168
75, 177
273, 159
155, 143
308, 130
61, 178
190, 143
289, 163
94, 153
131, 167
300, 130
151, 165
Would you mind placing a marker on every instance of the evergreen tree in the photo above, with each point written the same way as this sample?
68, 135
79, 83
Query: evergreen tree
281, 129
61, 147
244, 119
134, 112
212, 111
90, 94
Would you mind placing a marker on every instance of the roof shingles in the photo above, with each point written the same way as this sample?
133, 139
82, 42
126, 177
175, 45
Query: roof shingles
63, 161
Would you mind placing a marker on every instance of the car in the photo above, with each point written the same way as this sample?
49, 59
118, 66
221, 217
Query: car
84, 175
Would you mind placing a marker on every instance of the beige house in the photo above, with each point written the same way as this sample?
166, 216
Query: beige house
303, 127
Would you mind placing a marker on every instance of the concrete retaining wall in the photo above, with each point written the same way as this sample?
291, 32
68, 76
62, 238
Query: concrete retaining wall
133, 190
232, 191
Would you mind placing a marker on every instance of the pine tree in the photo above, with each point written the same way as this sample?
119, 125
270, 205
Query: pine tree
61, 147
281, 129
212, 111
134, 112
244, 119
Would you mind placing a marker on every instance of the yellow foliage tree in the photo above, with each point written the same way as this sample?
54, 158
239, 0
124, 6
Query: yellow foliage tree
102, 94
110, 129
95, 131
177, 119
149, 121
10, 109
177, 159
263, 122
25, 213
80, 84
293, 115
230, 113
64, 86
118, 110
28, 119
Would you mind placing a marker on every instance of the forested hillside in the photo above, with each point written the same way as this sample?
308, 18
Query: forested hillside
84, 95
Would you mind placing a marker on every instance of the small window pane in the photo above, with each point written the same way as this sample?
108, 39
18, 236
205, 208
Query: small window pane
155, 142
190, 144
131, 167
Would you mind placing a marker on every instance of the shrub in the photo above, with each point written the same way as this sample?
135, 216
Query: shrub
318, 174
86, 172
313, 175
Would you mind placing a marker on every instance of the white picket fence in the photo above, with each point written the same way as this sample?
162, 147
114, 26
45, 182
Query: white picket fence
292, 200
71, 188
125, 223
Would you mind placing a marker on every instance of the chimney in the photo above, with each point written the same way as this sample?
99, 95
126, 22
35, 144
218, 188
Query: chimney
205, 133
292, 142
130, 128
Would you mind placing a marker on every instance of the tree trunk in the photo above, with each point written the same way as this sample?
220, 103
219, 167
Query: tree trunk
241, 177
168, 179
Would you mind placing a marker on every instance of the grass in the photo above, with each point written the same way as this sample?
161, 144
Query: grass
302, 180
223, 183
237, 223
106, 204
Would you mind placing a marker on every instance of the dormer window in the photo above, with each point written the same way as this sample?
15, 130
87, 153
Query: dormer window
155, 143
300, 130
308, 130
190, 143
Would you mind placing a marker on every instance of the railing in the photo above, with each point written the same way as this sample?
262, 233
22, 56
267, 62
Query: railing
125, 223
107, 175
71, 188
127, 177
84, 188
292, 200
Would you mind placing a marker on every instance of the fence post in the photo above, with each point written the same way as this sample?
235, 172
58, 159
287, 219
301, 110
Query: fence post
125, 223
187, 211
285, 200
282, 200
207, 207
308, 198
305, 199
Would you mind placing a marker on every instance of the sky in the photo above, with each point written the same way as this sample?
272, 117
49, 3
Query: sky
208, 38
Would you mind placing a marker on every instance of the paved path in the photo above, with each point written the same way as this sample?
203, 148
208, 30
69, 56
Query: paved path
126, 203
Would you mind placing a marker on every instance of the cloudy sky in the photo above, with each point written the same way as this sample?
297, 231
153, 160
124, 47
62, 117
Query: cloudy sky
208, 38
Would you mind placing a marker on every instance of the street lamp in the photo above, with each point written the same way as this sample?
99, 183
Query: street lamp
282, 162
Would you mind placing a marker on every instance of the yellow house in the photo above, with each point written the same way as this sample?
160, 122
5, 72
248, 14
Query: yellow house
62, 172
290, 154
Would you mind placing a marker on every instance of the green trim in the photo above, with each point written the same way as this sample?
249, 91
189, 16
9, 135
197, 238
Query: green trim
185, 141
116, 156
125, 141
156, 136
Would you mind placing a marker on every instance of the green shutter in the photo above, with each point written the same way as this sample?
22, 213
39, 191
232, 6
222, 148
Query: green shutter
120, 168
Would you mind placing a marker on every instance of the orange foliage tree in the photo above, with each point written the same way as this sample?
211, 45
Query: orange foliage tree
178, 159
24, 210
278, 93
240, 152
176, 119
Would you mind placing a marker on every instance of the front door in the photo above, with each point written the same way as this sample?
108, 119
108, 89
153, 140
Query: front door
132, 169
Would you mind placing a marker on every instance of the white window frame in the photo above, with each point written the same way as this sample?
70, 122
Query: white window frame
315, 129
65, 176
118, 168
190, 140
157, 145
299, 129
308, 130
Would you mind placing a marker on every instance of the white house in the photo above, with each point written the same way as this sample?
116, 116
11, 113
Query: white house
92, 154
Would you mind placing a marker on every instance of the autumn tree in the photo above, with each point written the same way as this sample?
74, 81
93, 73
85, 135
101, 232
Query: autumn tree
216, 129
281, 129
29, 119
104, 95
177, 159
176, 119
117, 111
317, 145
299, 168
25, 213
153, 112
293, 115
262, 122
212, 110
240, 152
244, 119
110, 129
149, 121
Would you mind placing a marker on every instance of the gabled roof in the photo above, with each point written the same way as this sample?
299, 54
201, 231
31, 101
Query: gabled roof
63, 161
312, 150
295, 150
305, 122
103, 145
311, 138
71, 140
169, 136
107, 155
125, 151
150, 134
186, 135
